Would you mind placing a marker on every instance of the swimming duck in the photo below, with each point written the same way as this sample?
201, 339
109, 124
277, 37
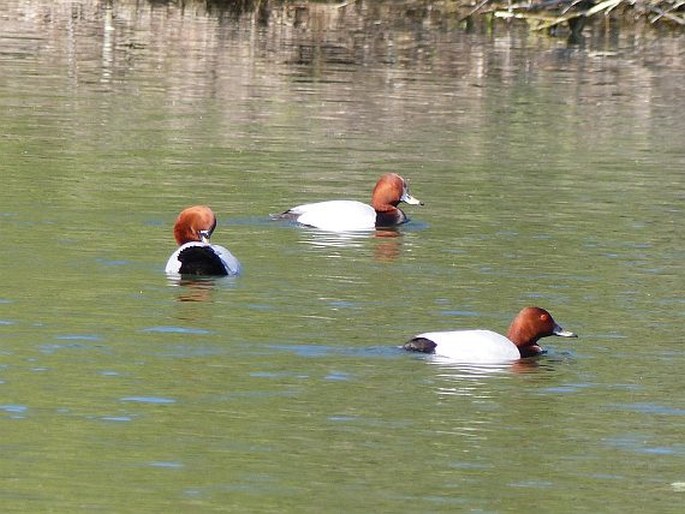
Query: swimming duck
485, 346
351, 215
196, 255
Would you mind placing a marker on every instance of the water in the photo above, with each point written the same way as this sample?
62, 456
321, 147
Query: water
551, 176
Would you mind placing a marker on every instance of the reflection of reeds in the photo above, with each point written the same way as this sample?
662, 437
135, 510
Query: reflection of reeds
540, 14
548, 14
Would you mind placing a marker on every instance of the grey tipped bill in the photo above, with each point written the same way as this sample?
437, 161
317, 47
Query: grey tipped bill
407, 198
558, 331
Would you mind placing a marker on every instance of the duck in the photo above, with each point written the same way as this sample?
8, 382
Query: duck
351, 215
195, 254
488, 347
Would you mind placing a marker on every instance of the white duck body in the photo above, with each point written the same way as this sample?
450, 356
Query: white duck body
473, 346
336, 215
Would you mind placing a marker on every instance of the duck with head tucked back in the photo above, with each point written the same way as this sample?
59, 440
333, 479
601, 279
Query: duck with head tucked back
196, 255
485, 346
351, 215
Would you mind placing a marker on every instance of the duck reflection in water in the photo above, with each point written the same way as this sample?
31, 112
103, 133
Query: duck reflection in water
460, 370
387, 242
194, 289
475, 380
388, 245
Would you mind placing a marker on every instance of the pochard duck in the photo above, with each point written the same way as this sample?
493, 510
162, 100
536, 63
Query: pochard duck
196, 255
351, 215
485, 346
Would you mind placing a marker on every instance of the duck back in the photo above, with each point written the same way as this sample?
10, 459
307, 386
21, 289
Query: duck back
478, 346
198, 258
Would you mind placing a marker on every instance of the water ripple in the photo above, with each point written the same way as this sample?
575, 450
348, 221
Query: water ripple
640, 444
117, 419
158, 400
166, 464
304, 350
79, 337
169, 329
651, 408
15, 411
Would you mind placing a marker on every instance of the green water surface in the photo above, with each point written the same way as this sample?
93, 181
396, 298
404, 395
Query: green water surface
550, 175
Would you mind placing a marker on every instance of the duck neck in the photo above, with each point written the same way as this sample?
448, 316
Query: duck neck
389, 217
530, 351
383, 205
522, 337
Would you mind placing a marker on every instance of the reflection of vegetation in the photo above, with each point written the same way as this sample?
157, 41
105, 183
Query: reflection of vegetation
548, 14
236, 8
539, 14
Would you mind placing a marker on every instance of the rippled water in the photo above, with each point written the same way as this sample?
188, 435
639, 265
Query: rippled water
551, 175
